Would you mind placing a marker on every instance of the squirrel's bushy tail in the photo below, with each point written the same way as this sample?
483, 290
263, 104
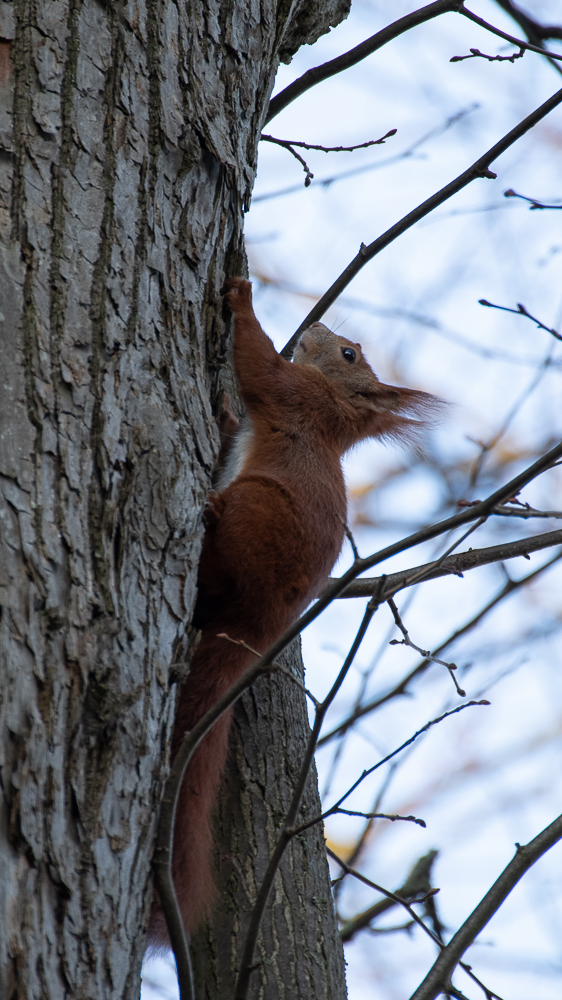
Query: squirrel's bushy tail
193, 836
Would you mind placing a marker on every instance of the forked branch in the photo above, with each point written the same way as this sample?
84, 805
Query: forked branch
358, 53
439, 975
480, 168
290, 143
454, 565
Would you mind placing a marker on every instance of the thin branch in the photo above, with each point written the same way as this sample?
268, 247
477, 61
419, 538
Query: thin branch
427, 322
480, 168
392, 896
357, 54
349, 535
535, 32
510, 193
523, 510
454, 565
376, 41
278, 666
417, 883
509, 38
533, 29
370, 45
401, 688
397, 899
526, 512
375, 815
355, 853
289, 144
475, 53
417, 578
370, 770
378, 164
179, 938
406, 641
337, 811
379, 931
338, 586
485, 447
526, 856
329, 149
522, 311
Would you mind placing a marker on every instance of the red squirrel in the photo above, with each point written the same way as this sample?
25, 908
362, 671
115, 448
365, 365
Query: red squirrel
274, 530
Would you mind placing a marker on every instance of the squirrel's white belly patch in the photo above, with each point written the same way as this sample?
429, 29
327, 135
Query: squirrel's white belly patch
237, 456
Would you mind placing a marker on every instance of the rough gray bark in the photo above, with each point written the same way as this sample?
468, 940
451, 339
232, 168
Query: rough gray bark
128, 136
299, 955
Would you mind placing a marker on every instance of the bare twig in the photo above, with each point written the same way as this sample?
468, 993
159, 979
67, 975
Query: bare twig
336, 810
409, 316
279, 667
338, 586
179, 939
350, 538
439, 975
289, 146
370, 45
485, 447
522, 311
535, 31
359, 712
510, 193
392, 896
378, 164
357, 54
329, 149
406, 641
416, 884
480, 168
417, 578
397, 899
375, 815
290, 143
523, 510
475, 53
509, 38
454, 565
355, 853
370, 770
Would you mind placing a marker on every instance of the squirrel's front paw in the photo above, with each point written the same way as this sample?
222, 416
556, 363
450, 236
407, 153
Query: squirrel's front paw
237, 292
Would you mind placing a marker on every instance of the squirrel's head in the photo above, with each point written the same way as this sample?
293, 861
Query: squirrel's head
341, 361
386, 410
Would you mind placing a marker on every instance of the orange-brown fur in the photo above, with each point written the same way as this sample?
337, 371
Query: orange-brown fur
272, 536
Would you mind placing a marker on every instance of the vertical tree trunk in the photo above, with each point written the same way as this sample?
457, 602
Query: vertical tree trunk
128, 137
298, 954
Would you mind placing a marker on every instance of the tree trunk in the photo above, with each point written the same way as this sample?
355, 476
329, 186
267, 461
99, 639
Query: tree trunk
299, 953
128, 137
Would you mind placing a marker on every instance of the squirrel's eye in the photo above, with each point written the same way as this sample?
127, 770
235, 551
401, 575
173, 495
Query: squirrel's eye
349, 354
